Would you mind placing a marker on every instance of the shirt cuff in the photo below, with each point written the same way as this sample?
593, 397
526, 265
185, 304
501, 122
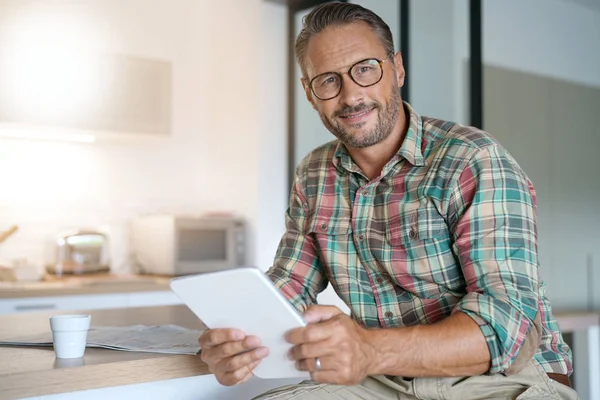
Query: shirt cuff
475, 305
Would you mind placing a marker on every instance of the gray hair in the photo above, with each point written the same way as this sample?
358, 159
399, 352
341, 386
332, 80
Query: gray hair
338, 13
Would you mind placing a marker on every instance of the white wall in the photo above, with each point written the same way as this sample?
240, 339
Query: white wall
389, 11
439, 57
309, 130
554, 38
224, 152
272, 182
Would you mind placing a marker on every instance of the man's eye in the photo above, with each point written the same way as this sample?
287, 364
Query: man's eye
328, 80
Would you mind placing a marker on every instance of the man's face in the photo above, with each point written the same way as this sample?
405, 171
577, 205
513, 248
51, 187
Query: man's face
359, 116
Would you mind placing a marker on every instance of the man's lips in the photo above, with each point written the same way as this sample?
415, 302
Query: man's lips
358, 115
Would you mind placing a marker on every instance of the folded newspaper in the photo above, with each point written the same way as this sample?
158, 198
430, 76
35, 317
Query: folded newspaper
169, 339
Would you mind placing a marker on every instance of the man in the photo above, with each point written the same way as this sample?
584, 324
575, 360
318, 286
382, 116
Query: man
425, 228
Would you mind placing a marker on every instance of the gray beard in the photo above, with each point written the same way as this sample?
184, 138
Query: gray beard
386, 120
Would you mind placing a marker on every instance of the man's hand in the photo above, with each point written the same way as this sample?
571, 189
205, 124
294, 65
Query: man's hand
230, 354
341, 345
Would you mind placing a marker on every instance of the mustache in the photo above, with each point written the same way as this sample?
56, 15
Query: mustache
347, 109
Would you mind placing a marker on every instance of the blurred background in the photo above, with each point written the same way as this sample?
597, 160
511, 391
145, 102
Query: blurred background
115, 109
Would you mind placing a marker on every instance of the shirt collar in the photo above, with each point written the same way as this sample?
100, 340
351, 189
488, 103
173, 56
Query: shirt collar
411, 146
410, 150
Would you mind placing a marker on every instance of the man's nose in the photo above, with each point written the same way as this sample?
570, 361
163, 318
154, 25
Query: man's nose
351, 93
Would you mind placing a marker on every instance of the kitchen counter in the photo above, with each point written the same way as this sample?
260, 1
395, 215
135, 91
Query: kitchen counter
577, 320
27, 372
84, 284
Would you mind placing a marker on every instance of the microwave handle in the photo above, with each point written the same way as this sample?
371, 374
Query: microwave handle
240, 247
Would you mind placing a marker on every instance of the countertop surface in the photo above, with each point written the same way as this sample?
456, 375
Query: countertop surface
84, 284
570, 321
34, 371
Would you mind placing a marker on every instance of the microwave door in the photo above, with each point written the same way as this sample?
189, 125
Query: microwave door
202, 249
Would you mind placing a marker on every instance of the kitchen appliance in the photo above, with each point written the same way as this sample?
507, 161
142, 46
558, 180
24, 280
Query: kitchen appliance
80, 252
181, 245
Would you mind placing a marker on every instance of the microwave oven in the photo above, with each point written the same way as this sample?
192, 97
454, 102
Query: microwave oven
183, 245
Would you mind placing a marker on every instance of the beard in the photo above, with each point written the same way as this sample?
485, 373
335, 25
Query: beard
386, 121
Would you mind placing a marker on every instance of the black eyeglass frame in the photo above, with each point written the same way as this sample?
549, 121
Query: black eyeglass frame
341, 78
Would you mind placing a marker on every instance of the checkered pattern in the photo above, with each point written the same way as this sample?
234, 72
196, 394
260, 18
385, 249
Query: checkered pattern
448, 226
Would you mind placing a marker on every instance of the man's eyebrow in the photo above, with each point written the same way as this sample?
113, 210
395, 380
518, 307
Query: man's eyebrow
347, 67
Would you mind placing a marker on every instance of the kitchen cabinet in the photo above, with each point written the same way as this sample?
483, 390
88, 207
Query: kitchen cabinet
91, 302
158, 298
110, 96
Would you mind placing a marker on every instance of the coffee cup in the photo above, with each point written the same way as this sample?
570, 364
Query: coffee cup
69, 334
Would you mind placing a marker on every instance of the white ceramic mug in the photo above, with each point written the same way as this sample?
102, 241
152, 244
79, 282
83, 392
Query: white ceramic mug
69, 334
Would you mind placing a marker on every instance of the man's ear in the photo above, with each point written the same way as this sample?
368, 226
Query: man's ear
400, 73
308, 92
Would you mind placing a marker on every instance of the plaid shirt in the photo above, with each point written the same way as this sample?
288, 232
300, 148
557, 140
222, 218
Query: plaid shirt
448, 226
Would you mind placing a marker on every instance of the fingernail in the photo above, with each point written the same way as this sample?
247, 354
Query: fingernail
253, 341
289, 355
262, 351
237, 335
309, 318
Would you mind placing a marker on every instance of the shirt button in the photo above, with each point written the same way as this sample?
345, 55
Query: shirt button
361, 238
379, 279
413, 234
366, 193
389, 314
323, 227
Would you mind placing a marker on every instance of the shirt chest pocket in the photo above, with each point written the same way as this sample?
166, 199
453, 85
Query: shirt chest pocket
333, 237
322, 223
411, 226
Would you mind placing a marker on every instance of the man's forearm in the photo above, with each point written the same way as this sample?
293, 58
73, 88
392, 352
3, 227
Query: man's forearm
452, 347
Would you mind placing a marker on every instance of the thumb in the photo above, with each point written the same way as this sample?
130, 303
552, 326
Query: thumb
317, 313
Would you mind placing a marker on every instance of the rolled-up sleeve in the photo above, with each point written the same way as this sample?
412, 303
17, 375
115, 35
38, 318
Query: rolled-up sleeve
492, 216
296, 270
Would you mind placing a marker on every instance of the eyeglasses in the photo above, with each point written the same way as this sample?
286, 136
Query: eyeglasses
364, 73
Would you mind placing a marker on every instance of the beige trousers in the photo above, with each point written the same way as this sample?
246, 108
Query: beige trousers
531, 383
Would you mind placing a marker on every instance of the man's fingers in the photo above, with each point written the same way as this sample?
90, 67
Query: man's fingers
310, 364
326, 377
240, 361
254, 365
317, 313
232, 348
229, 349
238, 376
310, 350
327, 374
215, 337
309, 334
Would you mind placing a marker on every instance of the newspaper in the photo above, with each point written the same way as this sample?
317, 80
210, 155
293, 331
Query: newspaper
168, 339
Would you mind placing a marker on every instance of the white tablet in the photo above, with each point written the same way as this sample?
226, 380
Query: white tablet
245, 299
